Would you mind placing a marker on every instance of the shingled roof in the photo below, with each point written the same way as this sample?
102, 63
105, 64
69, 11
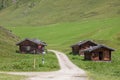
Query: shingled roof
83, 42
97, 47
36, 41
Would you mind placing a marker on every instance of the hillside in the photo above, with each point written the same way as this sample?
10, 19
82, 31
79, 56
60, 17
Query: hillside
61, 23
57, 11
62, 35
7, 42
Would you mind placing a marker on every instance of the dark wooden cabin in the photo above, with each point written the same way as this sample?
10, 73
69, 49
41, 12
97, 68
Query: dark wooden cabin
98, 53
31, 46
80, 46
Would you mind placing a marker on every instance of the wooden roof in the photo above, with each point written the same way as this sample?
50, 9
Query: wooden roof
36, 41
83, 42
93, 48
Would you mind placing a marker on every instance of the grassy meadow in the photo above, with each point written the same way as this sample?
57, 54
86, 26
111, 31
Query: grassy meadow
60, 36
60, 23
25, 62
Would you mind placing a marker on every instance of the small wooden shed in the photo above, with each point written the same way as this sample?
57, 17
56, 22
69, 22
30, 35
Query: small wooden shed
82, 45
31, 46
98, 53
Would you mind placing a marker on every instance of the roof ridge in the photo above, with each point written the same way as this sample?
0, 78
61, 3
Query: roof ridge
37, 41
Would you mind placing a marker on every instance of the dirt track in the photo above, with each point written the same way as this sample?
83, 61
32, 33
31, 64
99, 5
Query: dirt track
68, 71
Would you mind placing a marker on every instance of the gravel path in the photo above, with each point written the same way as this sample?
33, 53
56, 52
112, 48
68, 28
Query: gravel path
68, 71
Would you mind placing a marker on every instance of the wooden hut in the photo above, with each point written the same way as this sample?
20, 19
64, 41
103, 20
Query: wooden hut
31, 46
98, 53
82, 45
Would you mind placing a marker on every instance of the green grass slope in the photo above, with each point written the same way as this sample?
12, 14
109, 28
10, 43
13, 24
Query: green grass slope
57, 11
12, 61
62, 23
61, 36
104, 31
7, 42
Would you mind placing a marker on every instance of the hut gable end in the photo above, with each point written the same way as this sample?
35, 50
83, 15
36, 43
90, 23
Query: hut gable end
98, 53
80, 46
31, 46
